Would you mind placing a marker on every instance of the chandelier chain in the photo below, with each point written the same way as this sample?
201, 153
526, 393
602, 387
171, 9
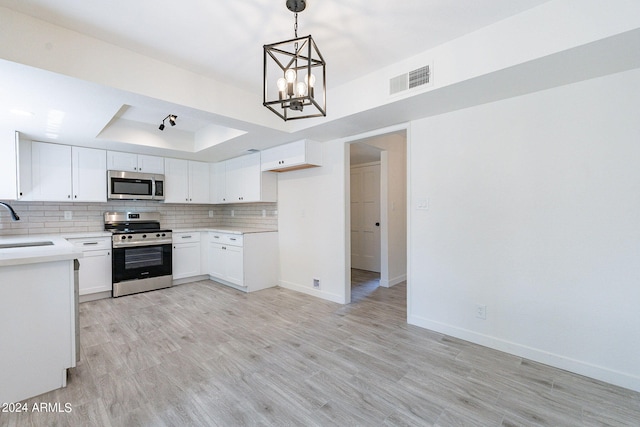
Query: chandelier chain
295, 27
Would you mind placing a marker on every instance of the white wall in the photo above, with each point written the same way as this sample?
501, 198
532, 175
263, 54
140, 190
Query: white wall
311, 226
534, 211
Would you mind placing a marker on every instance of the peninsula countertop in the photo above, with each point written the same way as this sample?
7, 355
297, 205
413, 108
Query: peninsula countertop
20, 250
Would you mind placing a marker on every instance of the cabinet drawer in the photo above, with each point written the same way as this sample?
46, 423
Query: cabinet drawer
186, 237
92, 244
226, 239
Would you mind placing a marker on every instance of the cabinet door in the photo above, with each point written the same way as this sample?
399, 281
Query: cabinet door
251, 172
176, 174
186, 260
272, 158
51, 171
198, 182
150, 164
234, 181
217, 260
234, 265
217, 182
122, 161
95, 272
89, 171
9, 165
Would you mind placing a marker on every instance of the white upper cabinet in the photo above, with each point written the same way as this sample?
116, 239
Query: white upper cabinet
243, 181
88, 166
9, 168
296, 155
198, 182
50, 172
186, 181
64, 173
150, 164
217, 182
134, 162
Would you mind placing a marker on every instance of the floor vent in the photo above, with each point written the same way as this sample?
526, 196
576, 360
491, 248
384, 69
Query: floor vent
410, 80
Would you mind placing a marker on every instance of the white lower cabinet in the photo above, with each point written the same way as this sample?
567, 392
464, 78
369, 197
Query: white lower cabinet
244, 261
95, 265
186, 254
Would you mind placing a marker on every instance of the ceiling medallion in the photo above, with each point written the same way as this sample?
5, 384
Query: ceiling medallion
295, 84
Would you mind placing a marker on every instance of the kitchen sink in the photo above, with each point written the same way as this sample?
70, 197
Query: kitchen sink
25, 244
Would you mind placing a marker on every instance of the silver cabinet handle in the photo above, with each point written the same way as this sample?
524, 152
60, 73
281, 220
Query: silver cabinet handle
186, 237
90, 243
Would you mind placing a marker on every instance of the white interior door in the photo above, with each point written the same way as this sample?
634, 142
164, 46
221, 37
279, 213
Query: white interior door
365, 217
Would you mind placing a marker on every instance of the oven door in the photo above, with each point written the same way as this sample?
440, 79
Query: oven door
141, 262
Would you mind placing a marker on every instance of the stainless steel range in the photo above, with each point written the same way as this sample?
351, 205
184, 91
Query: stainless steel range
142, 257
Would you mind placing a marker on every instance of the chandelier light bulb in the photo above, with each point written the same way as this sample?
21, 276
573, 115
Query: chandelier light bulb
301, 89
310, 79
282, 84
290, 75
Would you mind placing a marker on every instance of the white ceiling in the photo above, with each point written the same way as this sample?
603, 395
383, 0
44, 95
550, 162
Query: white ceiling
223, 40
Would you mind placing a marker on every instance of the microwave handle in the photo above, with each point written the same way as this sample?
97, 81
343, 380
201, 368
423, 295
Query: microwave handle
153, 188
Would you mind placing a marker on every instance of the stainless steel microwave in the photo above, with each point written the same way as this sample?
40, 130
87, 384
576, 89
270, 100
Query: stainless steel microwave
125, 185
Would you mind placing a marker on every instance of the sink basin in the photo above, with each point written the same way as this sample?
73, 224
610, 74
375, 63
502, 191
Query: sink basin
24, 244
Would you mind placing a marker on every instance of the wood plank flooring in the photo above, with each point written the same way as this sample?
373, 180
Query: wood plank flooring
202, 354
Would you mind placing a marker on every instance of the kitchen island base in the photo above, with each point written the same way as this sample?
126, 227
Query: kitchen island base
37, 328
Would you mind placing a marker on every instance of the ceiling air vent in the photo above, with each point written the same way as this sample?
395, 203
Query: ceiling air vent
410, 80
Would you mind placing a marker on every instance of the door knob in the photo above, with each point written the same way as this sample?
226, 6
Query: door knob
377, 224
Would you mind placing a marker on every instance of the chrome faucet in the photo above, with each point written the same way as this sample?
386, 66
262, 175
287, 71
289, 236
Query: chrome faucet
14, 215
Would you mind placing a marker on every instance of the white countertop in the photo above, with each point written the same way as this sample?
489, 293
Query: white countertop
224, 229
60, 250
86, 234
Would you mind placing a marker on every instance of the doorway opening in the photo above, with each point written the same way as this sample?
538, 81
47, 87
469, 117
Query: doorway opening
377, 212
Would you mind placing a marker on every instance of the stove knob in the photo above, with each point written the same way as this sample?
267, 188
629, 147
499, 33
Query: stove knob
163, 235
123, 237
157, 235
144, 236
129, 237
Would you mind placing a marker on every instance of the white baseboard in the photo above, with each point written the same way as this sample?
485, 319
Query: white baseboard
94, 297
558, 361
189, 279
314, 292
394, 281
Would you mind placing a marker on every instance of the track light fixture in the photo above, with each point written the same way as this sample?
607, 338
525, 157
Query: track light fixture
172, 121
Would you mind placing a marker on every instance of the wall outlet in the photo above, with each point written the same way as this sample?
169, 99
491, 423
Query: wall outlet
68, 215
481, 311
210, 214
233, 212
264, 213
316, 283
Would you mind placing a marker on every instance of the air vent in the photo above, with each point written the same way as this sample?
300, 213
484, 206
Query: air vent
419, 77
410, 80
398, 84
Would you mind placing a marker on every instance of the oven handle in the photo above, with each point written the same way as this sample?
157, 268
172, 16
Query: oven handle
140, 245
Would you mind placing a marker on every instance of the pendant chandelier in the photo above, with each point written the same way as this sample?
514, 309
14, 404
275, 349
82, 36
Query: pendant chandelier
294, 75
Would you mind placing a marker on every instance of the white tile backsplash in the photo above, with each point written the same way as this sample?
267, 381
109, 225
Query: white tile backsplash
48, 217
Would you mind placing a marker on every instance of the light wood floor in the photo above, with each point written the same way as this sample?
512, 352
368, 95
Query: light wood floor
202, 354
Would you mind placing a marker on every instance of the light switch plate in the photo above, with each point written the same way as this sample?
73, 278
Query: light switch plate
422, 203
